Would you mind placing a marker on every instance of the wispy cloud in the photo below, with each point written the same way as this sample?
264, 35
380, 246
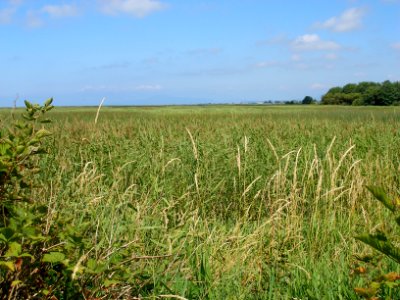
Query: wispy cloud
331, 56
60, 11
204, 51
349, 20
318, 86
276, 40
15, 2
36, 18
217, 71
148, 87
295, 57
33, 20
114, 65
396, 46
127, 88
312, 42
266, 64
6, 15
136, 8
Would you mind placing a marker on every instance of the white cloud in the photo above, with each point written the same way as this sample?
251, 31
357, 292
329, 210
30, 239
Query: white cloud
318, 86
360, 74
312, 42
6, 15
295, 57
137, 8
15, 2
59, 11
396, 46
33, 20
276, 40
148, 87
266, 64
331, 56
125, 88
204, 51
349, 20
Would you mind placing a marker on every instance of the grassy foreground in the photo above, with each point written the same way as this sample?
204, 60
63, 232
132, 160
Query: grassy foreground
225, 202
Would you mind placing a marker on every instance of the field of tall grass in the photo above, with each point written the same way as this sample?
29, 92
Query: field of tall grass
225, 202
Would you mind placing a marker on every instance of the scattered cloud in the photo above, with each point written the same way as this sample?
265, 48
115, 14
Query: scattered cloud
6, 15
295, 57
360, 74
35, 17
110, 66
319, 86
392, 77
331, 56
396, 46
114, 89
266, 64
276, 40
15, 2
136, 8
221, 71
60, 11
204, 51
15, 58
312, 42
349, 20
151, 61
148, 87
33, 20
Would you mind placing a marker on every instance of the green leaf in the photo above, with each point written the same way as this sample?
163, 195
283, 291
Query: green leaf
50, 107
8, 264
381, 244
3, 148
110, 282
14, 250
398, 220
26, 255
28, 104
15, 283
42, 133
6, 234
53, 257
95, 267
48, 102
380, 195
20, 149
380, 236
91, 264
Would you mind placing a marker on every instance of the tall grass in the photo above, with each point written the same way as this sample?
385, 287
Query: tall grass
225, 202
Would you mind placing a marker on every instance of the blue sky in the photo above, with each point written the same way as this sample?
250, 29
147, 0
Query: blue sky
136, 52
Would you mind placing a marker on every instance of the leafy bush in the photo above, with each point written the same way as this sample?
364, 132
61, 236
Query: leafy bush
382, 286
18, 147
39, 260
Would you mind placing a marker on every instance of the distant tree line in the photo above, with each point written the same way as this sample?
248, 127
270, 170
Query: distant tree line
364, 93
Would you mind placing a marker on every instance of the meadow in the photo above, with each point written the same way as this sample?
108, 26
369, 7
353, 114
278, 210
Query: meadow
225, 202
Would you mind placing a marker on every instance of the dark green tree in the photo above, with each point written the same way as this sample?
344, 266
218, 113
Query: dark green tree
364, 93
350, 88
308, 100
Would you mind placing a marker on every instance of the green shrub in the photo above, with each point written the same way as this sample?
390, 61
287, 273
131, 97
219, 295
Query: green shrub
382, 286
41, 259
